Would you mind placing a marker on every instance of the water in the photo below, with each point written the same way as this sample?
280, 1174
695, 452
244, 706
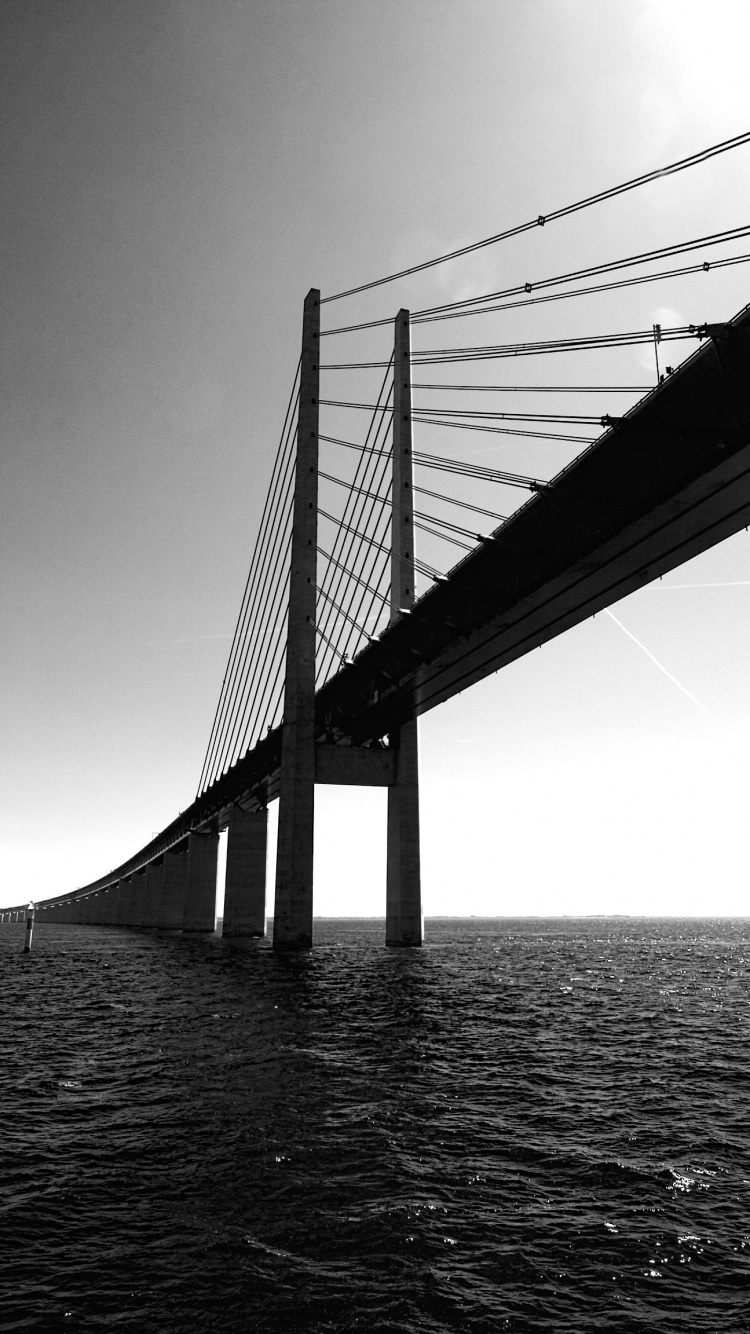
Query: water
527, 1125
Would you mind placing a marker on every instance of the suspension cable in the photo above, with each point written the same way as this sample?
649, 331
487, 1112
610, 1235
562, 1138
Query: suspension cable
638, 281
463, 504
262, 530
458, 309
439, 356
445, 536
359, 580
454, 465
589, 271
361, 473
505, 430
600, 197
370, 472
542, 388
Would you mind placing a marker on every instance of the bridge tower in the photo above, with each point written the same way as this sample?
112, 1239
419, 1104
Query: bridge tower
404, 920
302, 759
293, 910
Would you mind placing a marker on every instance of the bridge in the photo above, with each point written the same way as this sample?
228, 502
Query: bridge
346, 636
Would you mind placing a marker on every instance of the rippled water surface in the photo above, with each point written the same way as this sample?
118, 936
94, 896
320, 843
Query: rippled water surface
527, 1125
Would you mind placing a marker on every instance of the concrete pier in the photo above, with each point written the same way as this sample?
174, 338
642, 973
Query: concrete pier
107, 898
138, 898
113, 911
124, 901
29, 928
200, 891
152, 897
173, 886
245, 883
404, 920
293, 910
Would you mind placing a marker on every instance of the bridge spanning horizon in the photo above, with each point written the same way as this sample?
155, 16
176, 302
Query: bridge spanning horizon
337, 652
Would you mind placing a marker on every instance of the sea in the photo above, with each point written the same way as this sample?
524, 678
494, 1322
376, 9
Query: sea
526, 1125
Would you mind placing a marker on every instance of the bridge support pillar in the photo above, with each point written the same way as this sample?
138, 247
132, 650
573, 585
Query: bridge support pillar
293, 906
245, 884
173, 886
108, 900
138, 899
200, 890
404, 921
124, 900
152, 895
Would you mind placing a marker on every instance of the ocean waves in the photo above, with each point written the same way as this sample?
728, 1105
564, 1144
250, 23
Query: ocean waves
524, 1126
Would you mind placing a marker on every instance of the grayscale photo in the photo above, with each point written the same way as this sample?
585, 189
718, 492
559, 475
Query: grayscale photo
375, 533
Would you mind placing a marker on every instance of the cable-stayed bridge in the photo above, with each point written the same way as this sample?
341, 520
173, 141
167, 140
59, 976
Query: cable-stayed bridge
346, 635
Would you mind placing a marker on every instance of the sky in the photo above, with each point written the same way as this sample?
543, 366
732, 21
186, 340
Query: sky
176, 177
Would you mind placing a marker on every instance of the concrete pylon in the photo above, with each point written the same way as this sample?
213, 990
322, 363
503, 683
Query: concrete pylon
404, 920
245, 882
173, 886
200, 891
138, 899
152, 896
293, 906
124, 900
108, 902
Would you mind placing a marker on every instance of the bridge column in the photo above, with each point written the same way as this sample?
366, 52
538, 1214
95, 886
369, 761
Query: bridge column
107, 901
245, 883
138, 898
293, 907
173, 885
152, 897
404, 923
114, 908
200, 891
124, 899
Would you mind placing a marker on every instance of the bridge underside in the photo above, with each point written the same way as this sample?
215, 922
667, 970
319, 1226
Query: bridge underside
662, 484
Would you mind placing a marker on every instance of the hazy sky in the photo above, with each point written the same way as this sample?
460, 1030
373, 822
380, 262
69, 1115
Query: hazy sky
176, 176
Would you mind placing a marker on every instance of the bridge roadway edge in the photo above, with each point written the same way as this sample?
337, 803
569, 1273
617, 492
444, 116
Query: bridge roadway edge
368, 697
